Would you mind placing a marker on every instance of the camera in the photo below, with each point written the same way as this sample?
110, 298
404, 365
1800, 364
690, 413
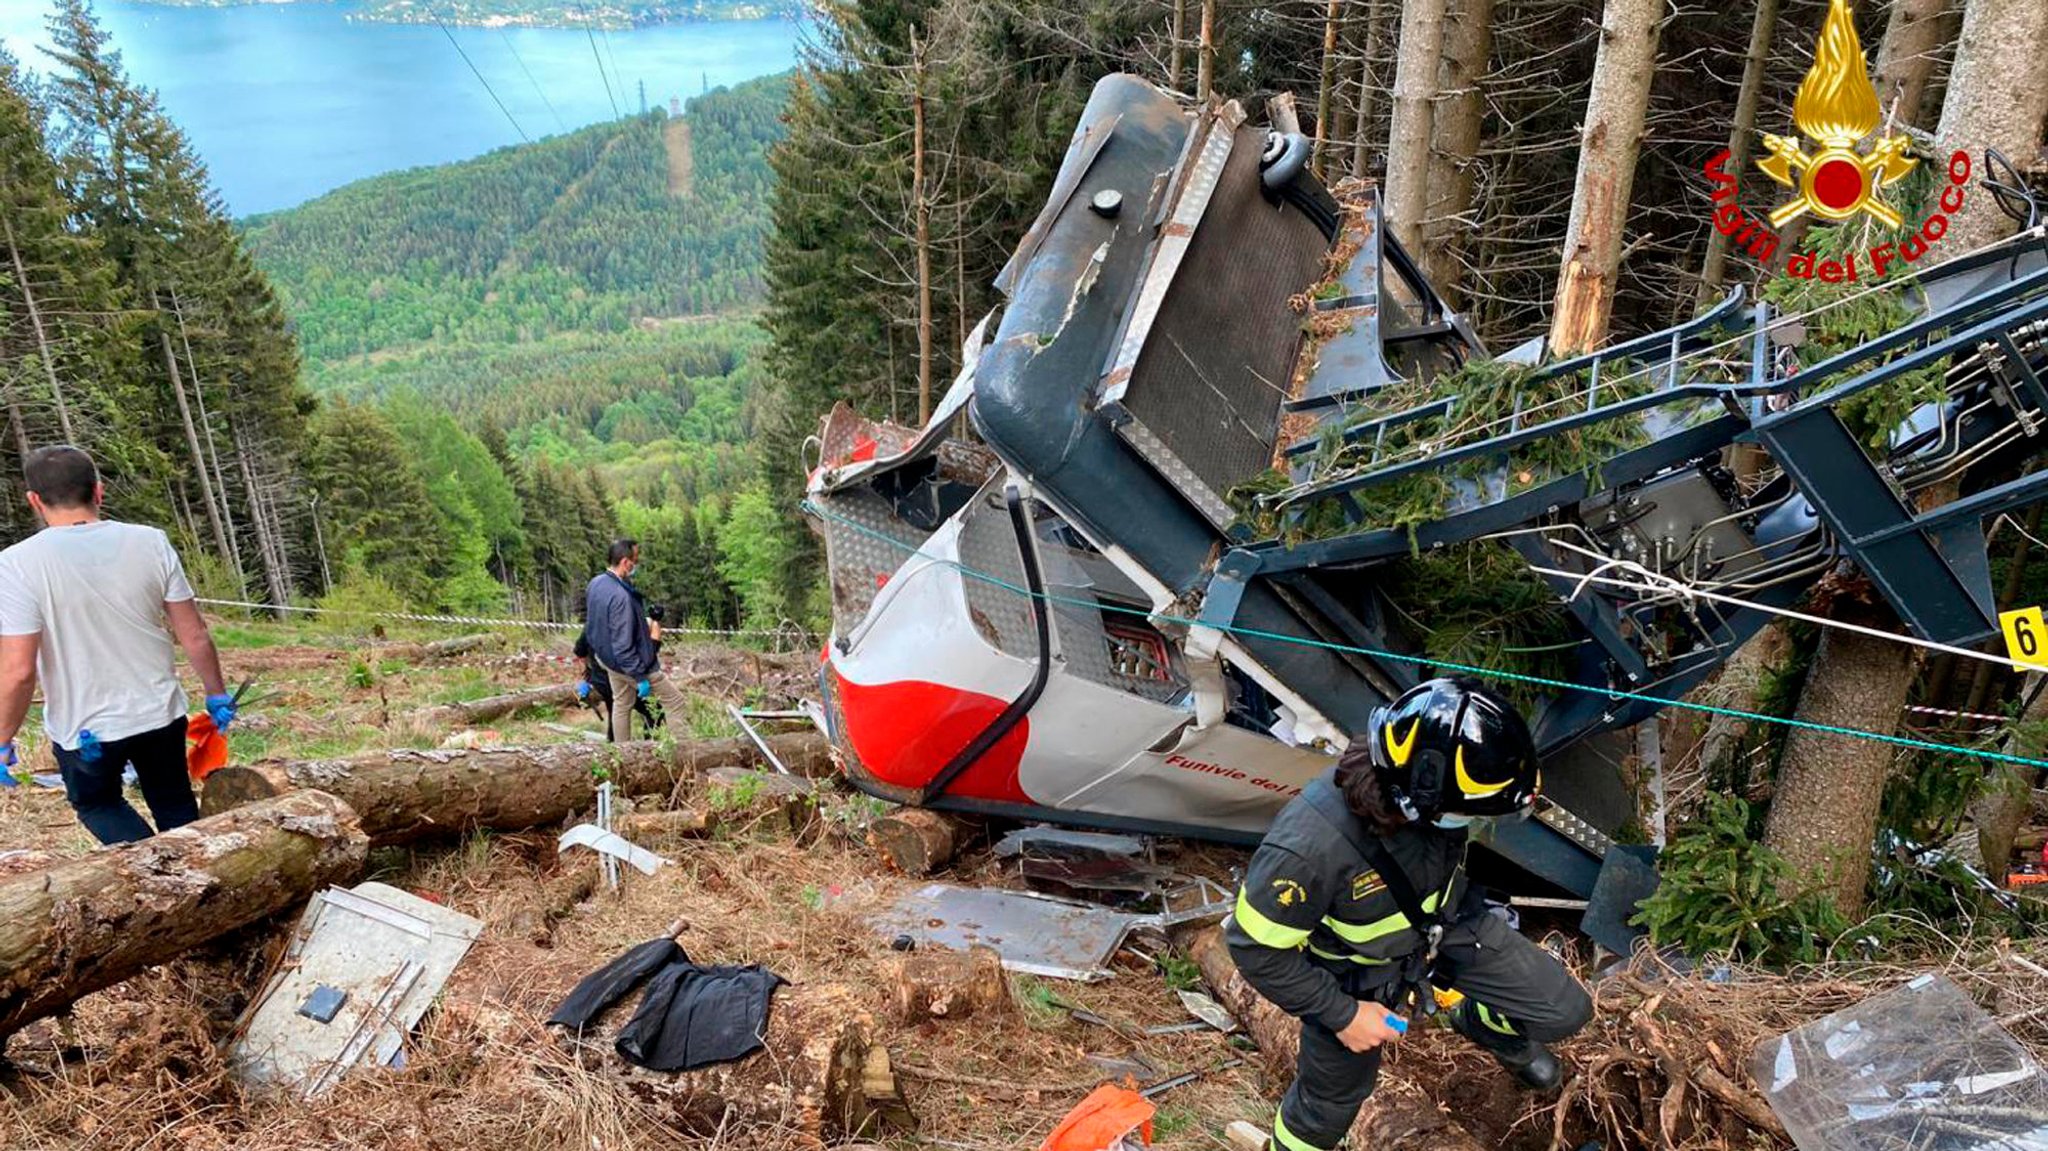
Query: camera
658, 612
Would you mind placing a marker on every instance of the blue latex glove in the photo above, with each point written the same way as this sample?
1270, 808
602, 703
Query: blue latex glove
583, 690
643, 687
88, 747
222, 709
8, 762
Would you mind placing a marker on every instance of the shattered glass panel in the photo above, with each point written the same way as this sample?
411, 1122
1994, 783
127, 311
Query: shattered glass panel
1918, 1068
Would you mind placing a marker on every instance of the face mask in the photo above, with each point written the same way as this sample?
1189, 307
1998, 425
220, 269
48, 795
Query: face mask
1451, 822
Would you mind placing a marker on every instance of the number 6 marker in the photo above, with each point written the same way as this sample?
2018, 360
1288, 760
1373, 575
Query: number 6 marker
2026, 637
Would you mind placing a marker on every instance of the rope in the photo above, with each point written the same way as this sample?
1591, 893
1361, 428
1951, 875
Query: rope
477, 621
1468, 669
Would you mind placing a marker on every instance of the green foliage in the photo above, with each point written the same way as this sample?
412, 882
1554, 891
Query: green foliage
359, 674
738, 795
131, 318
359, 596
1853, 317
1040, 1002
1180, 972
1720, 893
752, 555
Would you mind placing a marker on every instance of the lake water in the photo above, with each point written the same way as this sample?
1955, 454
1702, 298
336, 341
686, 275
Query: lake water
286, 101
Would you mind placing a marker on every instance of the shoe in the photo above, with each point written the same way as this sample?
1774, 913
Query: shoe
1531, 1063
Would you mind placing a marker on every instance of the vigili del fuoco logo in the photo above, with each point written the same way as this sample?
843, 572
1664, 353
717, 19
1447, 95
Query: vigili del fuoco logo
1834, 175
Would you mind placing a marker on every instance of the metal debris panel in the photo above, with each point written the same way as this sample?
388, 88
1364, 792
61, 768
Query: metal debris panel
383, 953
1035, 934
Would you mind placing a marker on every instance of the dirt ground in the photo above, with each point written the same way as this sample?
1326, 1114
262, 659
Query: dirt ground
137, 1066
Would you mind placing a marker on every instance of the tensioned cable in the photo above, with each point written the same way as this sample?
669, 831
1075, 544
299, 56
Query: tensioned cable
1659, 584
592, 37
479, 76
1469, 669
521, 61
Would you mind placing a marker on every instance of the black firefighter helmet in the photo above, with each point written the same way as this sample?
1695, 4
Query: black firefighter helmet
1450, 746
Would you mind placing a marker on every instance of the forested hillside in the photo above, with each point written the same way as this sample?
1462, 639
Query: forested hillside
588, 232
499, 366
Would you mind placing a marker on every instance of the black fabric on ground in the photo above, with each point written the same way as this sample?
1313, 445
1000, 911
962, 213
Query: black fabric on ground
695, 1016
610, 983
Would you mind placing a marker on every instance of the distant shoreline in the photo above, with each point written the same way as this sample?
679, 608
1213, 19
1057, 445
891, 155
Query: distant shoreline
569, 14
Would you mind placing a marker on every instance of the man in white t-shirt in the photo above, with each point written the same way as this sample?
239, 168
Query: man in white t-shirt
93, 606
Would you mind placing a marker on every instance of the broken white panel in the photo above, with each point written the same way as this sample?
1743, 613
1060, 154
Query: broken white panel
1918, 1066
613, 844
385, 952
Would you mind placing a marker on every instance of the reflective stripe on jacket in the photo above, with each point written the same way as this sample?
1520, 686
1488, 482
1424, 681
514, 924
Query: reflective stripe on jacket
1313, 914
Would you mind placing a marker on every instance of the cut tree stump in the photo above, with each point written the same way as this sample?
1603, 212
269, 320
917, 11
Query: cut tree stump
918, 841
821, 1077
74, 927
941, 984
1398, 1114
408, 795
491, 707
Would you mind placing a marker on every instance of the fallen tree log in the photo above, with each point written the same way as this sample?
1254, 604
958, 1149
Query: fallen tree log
438, 649
491, 707
1398, 1114
408, 795
821, 1077
74, 927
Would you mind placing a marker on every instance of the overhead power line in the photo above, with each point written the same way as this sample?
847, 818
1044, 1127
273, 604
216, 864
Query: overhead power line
509, 117
537, 90
591, 35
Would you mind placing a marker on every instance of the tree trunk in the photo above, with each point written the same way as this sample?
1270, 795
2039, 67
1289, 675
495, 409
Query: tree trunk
35, 323
1460, 118
1824, 810
939, 984
1173, 51
268, 547
1325, 97
1415, 78
1742, 134
918, 841
1914, 39
1736, 687
408, 795
921, 209
1368, 96
491, 707
74, 927
1996, 99
820, 1077
206, 492
442, 649
1397, 1114
1205, 56
1622, 70
220, 483
2008, 791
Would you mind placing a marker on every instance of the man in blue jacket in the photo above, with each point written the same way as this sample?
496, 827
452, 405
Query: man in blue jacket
624, 640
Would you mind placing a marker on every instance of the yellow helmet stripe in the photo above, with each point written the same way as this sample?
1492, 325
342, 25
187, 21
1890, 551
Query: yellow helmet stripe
1472, 788
1401, 749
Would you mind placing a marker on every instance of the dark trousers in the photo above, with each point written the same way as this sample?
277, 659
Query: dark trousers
94, 789
1527, 994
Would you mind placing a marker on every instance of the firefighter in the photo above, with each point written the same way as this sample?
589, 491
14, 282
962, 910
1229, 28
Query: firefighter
1356, 904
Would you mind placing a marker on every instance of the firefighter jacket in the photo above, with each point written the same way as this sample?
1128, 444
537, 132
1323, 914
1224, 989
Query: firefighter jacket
1315, 923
